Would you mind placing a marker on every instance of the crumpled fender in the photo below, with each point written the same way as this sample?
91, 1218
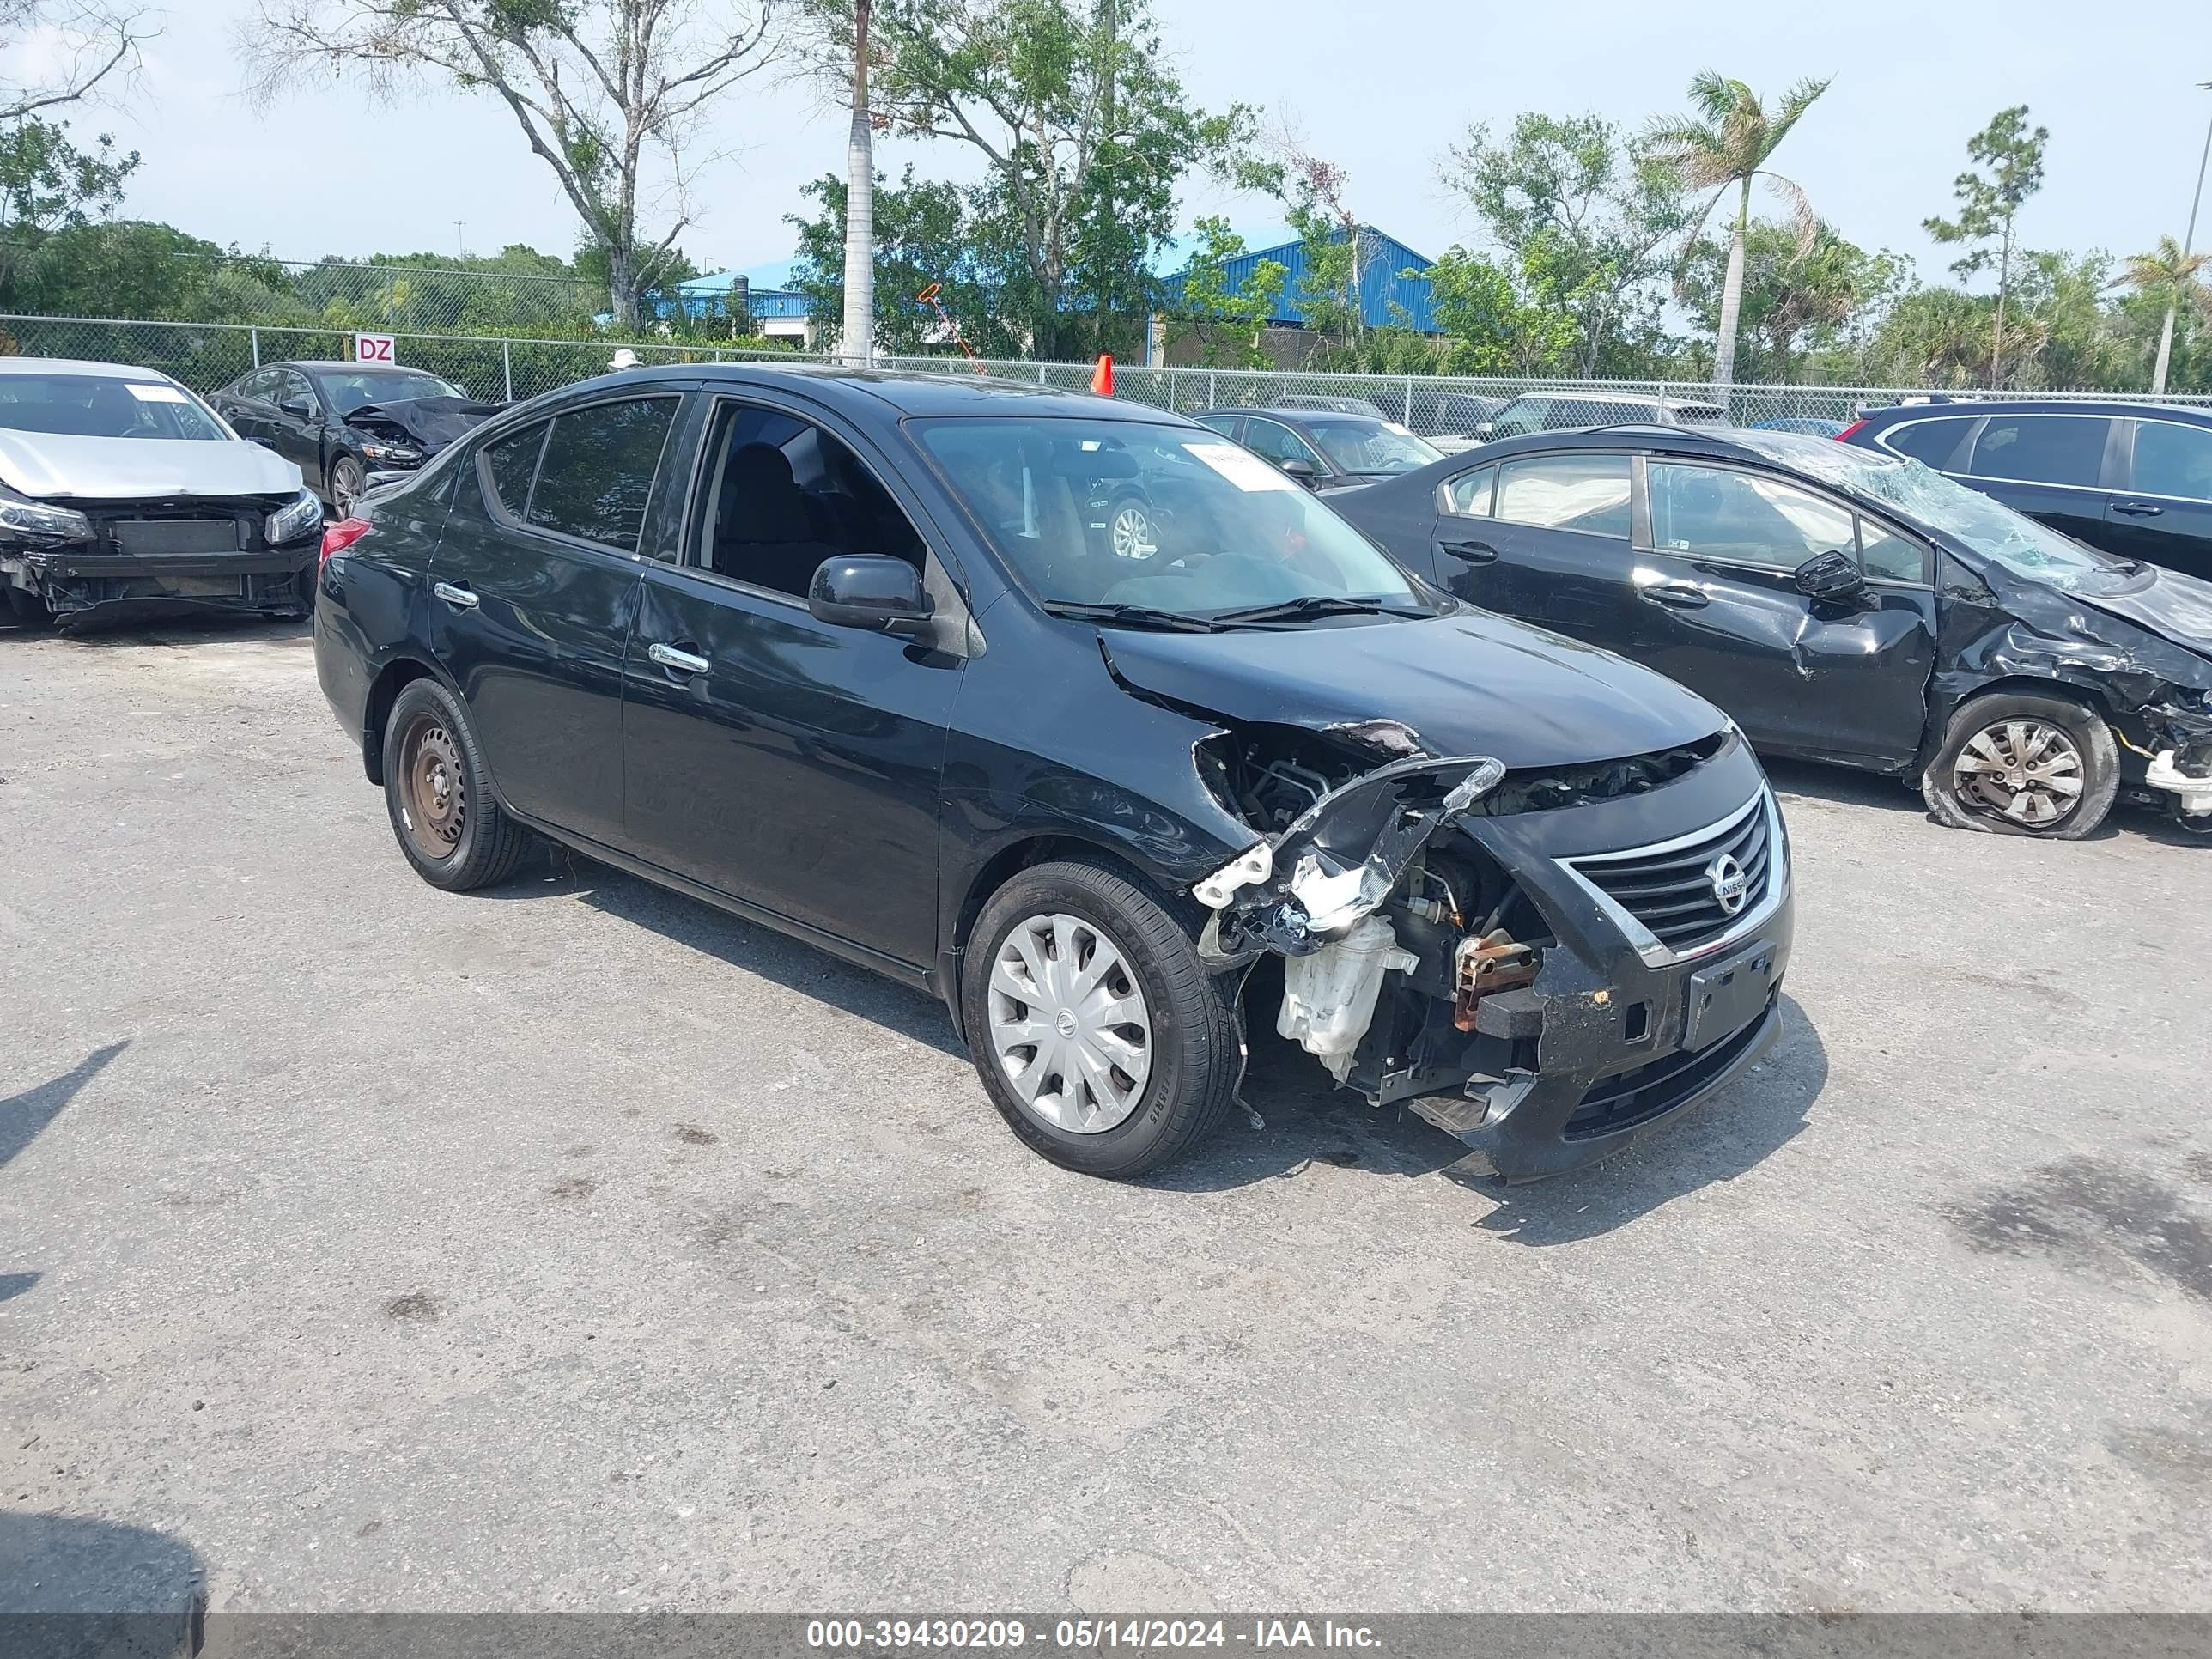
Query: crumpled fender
1301, 890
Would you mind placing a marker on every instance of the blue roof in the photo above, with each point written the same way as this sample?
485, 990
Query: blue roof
700, 294
1381, 285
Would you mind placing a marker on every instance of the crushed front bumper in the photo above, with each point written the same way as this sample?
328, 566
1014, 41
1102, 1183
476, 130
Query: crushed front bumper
84, 585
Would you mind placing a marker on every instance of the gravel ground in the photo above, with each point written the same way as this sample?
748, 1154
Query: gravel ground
573, 1246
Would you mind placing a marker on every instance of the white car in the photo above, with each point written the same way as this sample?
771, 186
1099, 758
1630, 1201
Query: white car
122, 495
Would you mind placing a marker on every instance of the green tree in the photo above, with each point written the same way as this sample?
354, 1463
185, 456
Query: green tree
923, 235
1725, 146
47, 183
1794, 302
1584, 219
1086, 133
2174, 280
2009, 154
606, 92
1230, 324
1489, 329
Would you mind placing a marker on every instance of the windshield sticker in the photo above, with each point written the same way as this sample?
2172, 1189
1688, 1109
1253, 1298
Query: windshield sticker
1241, 466
147, 393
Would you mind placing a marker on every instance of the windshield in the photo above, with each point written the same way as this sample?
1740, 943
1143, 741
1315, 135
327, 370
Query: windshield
104, 406
1168, 518
1982, 524
1354, 444
351, 389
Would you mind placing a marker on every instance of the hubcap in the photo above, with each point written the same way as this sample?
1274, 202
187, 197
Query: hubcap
436, 801
1132, 533
1069, 1025
345, 487
2028, 772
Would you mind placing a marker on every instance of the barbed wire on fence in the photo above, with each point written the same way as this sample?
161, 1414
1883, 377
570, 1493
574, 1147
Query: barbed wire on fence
207, 357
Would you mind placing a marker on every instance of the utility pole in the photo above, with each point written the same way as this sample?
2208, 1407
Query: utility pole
858, 343
2188, 240
460, 242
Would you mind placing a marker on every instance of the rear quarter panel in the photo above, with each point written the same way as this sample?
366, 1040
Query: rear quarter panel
372, 599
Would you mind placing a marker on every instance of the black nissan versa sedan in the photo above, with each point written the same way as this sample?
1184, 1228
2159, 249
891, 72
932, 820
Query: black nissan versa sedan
855, 655
1844, 606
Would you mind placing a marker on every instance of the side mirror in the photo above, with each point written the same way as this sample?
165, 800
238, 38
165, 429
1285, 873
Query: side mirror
883, 595
1829, 576
1301, 471
299, 408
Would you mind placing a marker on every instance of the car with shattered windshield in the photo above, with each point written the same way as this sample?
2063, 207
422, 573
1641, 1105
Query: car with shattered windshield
1844, 606
853, 655
350, 428
123, 496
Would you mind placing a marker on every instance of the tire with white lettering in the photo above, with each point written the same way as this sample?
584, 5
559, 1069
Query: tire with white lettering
1100, 1038
2024, 764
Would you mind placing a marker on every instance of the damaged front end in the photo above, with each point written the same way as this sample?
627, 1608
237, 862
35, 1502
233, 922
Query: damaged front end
86, 564
398, 437
1453, 936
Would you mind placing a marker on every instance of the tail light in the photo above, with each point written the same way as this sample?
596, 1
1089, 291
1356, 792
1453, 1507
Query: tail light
1844, 436
342, 534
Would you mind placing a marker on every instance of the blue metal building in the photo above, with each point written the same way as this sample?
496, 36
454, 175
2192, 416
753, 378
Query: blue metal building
1386, 296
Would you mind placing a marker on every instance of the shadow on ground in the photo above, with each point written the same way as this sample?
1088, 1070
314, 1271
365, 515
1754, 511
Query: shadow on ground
25, 1116
71, 1589
1305, 1121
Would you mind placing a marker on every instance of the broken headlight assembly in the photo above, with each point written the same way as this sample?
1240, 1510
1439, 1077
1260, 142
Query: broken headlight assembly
392, 454
22, 516
301, 517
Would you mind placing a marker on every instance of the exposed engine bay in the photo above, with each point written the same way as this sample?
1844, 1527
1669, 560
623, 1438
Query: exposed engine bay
1408, 952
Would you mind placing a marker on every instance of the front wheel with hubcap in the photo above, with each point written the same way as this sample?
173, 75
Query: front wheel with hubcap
2024, 765
1098, 1034
1129, 529
439, 794
347, 482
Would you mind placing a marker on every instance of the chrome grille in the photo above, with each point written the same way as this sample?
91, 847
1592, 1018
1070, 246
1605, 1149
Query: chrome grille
1669, 888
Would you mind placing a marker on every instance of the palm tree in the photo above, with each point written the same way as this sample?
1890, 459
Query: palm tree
1726, 144
2167, 273
859, 344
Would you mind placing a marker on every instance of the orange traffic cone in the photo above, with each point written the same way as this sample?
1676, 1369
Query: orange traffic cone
1102, 378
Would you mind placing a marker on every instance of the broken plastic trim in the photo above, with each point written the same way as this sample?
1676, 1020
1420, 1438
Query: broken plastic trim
1337, 862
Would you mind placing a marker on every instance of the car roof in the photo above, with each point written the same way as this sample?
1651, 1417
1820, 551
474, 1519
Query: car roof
1626, 396
1975, 408
335, 364
907, 391
1710, 442
1283, 413
81, 365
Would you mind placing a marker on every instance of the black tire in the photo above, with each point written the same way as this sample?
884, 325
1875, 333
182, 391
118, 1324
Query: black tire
1192, 1027
2097, 753
30, 611
467, 841
355, 477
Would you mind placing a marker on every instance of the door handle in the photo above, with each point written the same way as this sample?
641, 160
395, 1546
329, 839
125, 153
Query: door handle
1472, 552
1686, 596
681, 662
457, 597
2138, 509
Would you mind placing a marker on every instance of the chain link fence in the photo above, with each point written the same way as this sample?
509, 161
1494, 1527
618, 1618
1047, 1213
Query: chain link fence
1449, 411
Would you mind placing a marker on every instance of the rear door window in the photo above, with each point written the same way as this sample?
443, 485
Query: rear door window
1586, 493
1932, 443
512, 465
2174, 459
599, 469
2053, 449
1469, 494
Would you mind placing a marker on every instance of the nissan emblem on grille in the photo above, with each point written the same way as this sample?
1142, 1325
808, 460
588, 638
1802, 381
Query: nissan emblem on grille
1730, 885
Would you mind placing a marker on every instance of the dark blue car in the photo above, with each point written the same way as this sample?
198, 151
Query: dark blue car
858, 657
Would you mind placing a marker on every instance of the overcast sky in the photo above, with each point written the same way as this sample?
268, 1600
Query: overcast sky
1381, 87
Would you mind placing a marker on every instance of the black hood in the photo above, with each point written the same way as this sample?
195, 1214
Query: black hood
2175, 607
430, 423
1472, 684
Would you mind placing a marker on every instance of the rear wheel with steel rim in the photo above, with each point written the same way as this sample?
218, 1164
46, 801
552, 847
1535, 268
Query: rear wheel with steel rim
346, 483
1129, 530
2024, 765
438, 792
1097, 1033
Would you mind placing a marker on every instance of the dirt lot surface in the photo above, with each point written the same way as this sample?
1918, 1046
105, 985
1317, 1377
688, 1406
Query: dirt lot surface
574, 1246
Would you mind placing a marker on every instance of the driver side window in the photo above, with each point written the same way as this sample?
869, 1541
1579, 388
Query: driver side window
1742, 518
1276, 442
781, 494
